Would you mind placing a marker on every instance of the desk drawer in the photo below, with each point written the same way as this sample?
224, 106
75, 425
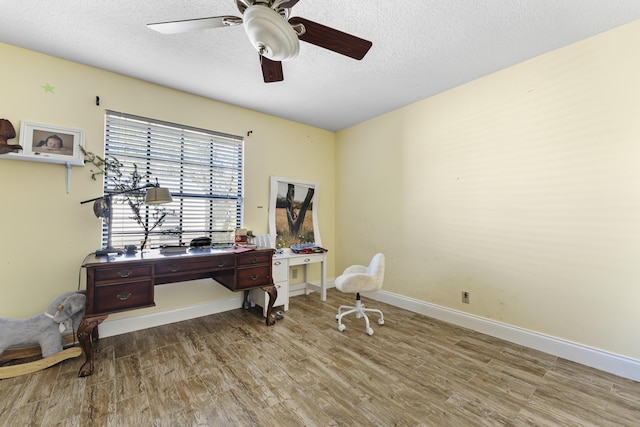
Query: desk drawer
254, 277
181, 266
122, 272
305, 259
252, 258
280, 270
123, 296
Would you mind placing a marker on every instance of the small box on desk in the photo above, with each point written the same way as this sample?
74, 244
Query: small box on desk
241, 235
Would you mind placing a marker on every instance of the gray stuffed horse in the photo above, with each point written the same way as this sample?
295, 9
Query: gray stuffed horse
44, 329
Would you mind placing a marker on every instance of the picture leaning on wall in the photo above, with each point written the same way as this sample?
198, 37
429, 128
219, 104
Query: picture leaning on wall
293, 212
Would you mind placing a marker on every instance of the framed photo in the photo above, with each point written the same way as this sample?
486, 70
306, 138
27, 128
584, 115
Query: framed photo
293, 212
51, 144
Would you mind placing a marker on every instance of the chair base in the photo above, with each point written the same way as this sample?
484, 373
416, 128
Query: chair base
360, 312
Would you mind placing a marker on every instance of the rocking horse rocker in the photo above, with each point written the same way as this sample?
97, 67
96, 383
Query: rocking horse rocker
42, 334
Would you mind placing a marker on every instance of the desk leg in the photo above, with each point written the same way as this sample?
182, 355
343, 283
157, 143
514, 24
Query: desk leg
273, 294
87, 330
323, 283
307, 291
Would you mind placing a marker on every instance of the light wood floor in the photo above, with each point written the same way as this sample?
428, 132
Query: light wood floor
231, 369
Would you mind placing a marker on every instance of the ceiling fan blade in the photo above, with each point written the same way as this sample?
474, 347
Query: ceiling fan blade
271, 70
332, 39
176, 27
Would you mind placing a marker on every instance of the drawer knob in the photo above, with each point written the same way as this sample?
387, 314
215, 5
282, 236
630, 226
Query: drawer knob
307, 260
277, 263
254, 259
220, 263
122, 296
125, 273
174, 267
253, 277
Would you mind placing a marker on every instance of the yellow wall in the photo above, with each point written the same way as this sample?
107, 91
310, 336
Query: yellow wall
522, 188
46, 233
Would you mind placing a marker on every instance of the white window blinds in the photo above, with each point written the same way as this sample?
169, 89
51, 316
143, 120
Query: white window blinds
202, 169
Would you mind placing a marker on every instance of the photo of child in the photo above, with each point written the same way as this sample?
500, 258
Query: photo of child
58, 143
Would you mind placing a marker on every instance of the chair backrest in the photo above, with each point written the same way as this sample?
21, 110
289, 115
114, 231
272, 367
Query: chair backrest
376, 268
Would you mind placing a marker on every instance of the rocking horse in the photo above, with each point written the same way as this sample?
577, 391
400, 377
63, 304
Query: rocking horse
42, 334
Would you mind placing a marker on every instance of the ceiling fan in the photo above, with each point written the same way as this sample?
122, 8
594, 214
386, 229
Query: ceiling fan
274, 34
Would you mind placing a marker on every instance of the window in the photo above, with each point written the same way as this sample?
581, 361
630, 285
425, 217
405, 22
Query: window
202, 169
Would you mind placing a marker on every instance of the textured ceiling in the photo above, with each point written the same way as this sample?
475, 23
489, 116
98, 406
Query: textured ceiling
420, 47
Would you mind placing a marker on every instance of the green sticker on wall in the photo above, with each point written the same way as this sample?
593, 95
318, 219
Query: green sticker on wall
48, 88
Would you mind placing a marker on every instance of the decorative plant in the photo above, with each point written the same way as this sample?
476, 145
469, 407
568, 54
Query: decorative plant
131, 187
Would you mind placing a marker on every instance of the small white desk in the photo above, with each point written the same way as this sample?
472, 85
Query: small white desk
307, 259
280, 272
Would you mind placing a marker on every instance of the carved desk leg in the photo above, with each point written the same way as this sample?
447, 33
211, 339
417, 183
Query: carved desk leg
87, 330
273, 294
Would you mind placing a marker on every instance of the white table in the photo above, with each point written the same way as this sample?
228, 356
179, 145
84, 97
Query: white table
281, 264
294, 259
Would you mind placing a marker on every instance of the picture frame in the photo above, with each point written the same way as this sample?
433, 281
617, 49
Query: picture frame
293, 212
50, 144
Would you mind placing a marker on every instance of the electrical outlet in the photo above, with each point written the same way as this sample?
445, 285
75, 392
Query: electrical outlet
465, 297
294, 273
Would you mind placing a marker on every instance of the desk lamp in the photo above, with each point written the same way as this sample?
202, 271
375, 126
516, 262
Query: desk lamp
156, 195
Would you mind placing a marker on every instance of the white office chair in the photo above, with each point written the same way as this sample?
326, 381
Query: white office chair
359, 278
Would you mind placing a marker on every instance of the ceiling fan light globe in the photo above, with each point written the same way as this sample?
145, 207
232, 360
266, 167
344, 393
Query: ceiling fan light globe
270, 34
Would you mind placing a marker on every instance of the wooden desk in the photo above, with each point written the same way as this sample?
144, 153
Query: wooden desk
123, 283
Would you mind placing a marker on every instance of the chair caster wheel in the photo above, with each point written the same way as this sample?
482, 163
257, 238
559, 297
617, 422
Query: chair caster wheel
370, 331
341, 328
380, 321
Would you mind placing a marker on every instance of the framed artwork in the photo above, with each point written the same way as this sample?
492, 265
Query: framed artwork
51, 144
293, 212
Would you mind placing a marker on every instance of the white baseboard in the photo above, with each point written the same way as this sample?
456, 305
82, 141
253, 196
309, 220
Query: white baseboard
113, 327
295, 290
605, 361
